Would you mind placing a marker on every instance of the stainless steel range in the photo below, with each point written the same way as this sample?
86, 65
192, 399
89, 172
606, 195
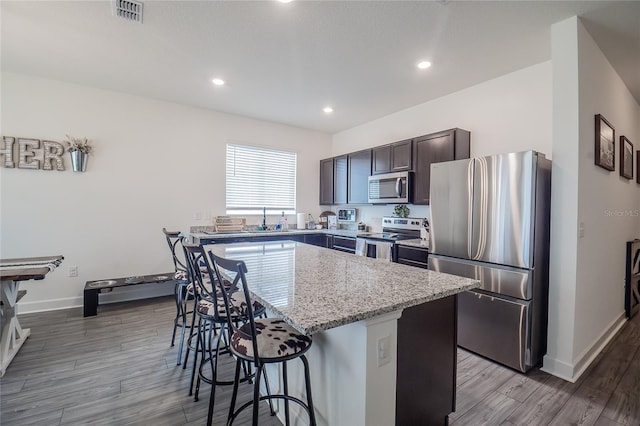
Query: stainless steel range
380, 244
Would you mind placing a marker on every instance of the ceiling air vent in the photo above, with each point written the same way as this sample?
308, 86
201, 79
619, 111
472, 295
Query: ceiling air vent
127, 9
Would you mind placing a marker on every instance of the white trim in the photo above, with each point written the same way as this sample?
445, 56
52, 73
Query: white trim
48, 305
394, 315
588, 355
558, 368
572, 372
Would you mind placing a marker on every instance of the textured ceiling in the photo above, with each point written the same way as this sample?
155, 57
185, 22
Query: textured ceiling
285, 62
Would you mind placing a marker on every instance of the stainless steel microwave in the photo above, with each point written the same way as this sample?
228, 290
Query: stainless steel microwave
390, 188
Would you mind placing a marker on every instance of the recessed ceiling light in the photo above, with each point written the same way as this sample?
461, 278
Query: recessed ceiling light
327, 110
424, 65
284, 1
218, 81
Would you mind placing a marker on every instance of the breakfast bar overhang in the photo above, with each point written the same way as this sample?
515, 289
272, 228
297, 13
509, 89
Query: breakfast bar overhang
384, 334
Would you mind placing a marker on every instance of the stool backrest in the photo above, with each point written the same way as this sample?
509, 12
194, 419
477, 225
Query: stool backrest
236, 270
199, 270
174, 240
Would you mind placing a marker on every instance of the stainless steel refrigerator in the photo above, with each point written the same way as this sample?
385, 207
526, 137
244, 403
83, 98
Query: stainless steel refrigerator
490, 221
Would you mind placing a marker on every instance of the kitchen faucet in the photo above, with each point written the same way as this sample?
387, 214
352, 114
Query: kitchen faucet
264, 219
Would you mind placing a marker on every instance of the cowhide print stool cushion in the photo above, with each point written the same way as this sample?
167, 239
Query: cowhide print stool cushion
276, 339
239, 306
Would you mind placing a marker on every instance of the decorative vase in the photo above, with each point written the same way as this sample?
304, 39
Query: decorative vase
79, 160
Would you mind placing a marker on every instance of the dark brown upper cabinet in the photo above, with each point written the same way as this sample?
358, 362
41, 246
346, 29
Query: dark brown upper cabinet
359, 170
394, 157
326, 181
340, 176
448, 145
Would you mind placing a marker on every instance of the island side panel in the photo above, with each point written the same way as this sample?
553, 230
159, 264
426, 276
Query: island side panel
426, 375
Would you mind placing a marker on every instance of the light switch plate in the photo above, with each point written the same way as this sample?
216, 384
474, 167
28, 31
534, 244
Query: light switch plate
384, 350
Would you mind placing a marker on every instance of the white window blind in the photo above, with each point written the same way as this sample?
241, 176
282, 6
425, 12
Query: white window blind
260, 177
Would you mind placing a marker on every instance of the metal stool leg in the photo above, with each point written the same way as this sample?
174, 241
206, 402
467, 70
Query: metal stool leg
195, 360
193, 321
307, 382
184, 298
234, 395
175, 320
256, 395
286, 392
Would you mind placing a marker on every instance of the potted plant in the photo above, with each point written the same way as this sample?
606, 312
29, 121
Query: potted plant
401, 210
79, 150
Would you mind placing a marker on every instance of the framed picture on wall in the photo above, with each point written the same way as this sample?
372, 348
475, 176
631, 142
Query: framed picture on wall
605, 153
626, 158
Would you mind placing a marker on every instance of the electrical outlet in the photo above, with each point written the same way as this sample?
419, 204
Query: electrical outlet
384, 350
581, 230
73, 271
197, 216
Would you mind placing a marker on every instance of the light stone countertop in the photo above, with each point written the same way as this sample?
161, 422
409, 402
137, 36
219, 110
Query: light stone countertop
417, 242
315, 289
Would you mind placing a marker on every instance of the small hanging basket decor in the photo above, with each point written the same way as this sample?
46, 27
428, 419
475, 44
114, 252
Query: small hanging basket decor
79, 150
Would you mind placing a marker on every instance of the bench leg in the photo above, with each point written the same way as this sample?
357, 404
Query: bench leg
91, 302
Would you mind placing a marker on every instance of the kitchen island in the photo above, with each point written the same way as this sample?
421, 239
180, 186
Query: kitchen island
384, 334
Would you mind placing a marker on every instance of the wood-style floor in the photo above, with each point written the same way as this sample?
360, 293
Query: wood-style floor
117, 368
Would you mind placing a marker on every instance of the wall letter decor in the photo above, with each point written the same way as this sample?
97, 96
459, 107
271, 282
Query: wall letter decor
27, 147
7, 151
53, 152
31, 154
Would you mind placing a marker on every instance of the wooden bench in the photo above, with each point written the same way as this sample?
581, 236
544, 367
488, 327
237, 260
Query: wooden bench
93, 288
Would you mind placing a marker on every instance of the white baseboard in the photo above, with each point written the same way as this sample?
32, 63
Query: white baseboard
48, 305
572, 372
119, 294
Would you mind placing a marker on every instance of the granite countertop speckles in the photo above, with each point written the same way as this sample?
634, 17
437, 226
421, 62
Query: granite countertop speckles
315, 289
417, 242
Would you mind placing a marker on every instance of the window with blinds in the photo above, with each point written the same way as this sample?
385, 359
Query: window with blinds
260, 177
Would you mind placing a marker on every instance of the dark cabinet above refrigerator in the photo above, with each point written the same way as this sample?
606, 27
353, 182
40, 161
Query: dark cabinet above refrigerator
448, 145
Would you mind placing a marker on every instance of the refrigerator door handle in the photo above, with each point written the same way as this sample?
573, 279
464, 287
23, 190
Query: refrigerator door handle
479, 207
470, 183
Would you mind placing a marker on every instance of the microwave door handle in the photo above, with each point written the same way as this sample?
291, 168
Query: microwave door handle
399, 187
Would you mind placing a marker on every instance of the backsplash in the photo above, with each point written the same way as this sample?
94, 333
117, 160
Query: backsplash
372, 215
369, 214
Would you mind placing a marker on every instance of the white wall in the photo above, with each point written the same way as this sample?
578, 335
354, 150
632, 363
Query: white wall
155, 164
507, 114
603, 197
587, 274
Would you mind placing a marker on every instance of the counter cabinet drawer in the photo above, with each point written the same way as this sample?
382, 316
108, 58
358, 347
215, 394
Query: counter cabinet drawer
345, 244
412, 256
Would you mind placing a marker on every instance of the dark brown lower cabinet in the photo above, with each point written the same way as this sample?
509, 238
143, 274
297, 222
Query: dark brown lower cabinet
426, 371
413, 256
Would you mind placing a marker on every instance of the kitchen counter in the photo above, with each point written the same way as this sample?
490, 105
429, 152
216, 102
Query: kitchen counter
316, 289
381, 331
207, 237
416, 242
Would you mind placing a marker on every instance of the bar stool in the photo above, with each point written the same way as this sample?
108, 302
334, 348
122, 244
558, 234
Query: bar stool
261, 342
213, 317
174, 240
